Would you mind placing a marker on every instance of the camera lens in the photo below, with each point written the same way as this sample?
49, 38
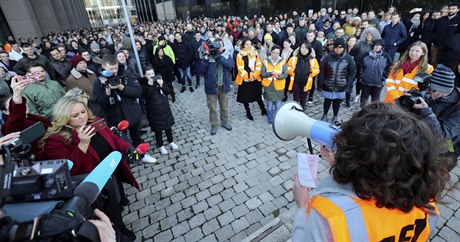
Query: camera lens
407, 101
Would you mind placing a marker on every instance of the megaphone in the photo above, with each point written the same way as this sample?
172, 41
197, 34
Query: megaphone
290, 121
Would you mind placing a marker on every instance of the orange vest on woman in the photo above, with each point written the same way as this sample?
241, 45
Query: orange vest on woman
399, 83
314, 67
243, 75
354, 219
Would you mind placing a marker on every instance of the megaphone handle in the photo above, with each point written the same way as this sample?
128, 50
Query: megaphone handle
310, 147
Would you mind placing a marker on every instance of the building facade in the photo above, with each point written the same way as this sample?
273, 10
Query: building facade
35, 18
109, 12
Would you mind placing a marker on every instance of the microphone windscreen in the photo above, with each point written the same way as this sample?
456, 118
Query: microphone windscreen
104, 170
142, 148
88, 191
123, 125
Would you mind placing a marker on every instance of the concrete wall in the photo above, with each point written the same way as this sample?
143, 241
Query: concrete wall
30, 18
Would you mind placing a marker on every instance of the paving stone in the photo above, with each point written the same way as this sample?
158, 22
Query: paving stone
212, 212
157, 216
240, 187
194, 235
210, 238
448, 234
267, 208
163, 236
226, 205
226, 218
197, 220
199, 207
240, 210
184, 214
224, 233
151, 230
168, 222
213, 200
203, 195
189, 201
180, 229
253, 203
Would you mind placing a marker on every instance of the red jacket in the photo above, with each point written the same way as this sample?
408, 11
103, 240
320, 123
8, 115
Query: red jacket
18, 120
56, 148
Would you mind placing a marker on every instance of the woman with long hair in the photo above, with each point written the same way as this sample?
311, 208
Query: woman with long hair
73, 138
248, 78
411, 63
163, 65
302, 67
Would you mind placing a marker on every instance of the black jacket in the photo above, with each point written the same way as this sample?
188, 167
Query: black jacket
120, 105
62, 70
318, 48
164, 67
159, 113
336, 72
444, 29
183, 52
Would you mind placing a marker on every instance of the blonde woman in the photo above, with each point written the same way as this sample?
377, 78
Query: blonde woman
72, 138
248, 78
401, 78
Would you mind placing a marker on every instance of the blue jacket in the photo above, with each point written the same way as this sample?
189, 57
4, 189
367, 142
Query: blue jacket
209, 71
375, 68
392, 34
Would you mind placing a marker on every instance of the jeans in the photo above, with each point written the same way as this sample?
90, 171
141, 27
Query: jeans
272, 107
212, 105
182, 77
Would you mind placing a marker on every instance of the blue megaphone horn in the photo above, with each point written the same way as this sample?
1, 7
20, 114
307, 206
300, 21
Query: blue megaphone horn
290, 121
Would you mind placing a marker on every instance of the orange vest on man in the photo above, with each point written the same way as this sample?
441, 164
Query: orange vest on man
354, 219
278, 69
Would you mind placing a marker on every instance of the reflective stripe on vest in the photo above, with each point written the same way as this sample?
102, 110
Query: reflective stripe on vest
353, 219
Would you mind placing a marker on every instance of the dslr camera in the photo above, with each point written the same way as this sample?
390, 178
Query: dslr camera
410, 98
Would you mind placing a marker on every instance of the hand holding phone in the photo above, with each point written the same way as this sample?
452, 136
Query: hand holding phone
97, 125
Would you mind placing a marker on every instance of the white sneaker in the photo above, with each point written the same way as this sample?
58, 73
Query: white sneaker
149, 159
163, 150
357, 98
174, 146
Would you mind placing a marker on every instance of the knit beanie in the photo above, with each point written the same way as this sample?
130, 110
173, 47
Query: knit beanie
442, 79
94, 45
339, 42
76, 59
268, 37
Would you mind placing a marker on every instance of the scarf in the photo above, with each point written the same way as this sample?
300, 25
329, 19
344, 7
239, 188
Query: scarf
250, 55
408, 67
302, 69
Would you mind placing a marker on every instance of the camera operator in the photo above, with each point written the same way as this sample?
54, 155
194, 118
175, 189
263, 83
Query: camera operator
215, 67
440, 107
119, 96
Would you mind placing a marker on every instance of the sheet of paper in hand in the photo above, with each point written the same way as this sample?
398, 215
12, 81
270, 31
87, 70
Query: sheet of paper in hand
307, 165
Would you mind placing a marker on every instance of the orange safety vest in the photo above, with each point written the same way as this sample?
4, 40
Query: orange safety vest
243, 74
354, 219
278, 69
399, 83
314, 66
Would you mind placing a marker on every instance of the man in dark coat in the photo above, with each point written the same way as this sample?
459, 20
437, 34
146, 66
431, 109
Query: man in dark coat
318, 48
61, 66
119, 96
216, 72
183, 52
444, 31
196, 43
394, 34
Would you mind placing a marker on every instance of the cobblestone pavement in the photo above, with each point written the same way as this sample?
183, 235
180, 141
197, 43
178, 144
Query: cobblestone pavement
227, 186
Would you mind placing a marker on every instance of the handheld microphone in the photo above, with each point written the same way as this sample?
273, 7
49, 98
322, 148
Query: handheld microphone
123, 125
136, 155
84, 195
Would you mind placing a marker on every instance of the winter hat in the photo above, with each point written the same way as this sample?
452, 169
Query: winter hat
378, 42
442, 79
76, 59
339, 42
94, 45
268, 37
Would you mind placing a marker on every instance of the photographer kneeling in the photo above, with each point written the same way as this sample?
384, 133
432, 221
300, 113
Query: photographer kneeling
439, 106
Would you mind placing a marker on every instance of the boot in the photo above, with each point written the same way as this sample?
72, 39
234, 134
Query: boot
334, 120
248, 114
263, 111
324, 118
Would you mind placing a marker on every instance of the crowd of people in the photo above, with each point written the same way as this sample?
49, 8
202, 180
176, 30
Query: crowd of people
75, 78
